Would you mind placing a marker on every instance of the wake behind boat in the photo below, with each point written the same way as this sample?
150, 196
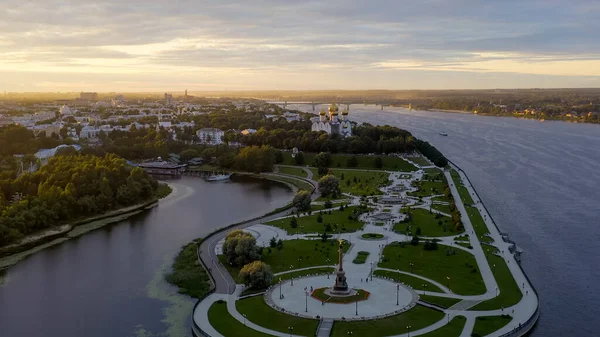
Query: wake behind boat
218, 177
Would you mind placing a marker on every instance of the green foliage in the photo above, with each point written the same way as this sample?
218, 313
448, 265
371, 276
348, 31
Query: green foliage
256, 159
302, 200
378, 162
431, 153
299, 158
70, 188
188, 274
329, 185
240, 248
352, 161
293, 222
256, 275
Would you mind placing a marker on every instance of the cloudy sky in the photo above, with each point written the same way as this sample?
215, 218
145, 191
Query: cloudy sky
156, 45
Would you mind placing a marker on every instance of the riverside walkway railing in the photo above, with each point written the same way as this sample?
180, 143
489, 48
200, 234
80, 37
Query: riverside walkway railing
523, 329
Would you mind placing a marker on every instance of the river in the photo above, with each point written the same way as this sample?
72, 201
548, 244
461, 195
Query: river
110, 282
541, 183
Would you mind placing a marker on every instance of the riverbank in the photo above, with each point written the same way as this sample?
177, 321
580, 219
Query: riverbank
32, 244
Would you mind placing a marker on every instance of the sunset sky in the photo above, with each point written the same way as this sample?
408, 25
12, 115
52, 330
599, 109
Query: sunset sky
133, 45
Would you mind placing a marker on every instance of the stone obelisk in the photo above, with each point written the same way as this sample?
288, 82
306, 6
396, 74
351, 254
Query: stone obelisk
341, 286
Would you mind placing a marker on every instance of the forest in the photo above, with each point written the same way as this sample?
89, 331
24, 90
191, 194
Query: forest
67, 189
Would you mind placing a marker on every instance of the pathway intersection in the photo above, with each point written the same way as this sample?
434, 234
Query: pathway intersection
387, 297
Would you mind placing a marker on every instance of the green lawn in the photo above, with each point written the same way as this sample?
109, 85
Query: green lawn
464, 195
417, 317
432, 171
188, 274
296, 171
478, 223
258, 312
442, 208
359, 182
301, 184
464, 244
452, 329
301, 273
311, 252
228, 326
427, 188
390, 163
444, 302
465, 278
510, 294
429, 224
486, 325
372, 236
420, 161
414, 282
309, 224
361, 257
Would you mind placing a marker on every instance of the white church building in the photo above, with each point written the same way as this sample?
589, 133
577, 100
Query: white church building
333, 124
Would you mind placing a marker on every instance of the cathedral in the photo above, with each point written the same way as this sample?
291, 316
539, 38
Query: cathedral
333, 123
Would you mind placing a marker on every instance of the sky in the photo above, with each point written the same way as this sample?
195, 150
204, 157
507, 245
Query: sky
156, 45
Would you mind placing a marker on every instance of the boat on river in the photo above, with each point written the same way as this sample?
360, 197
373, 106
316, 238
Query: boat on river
443, 134
218, 177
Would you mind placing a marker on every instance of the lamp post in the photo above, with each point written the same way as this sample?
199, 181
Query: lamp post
299, 259
244, 319
371, 270
290, 329
292, 267
448, 315
408, 330
411, 265
494, 269
397, 293
496, 291
306, 301
448, 277
357, 303
424, 288
327, 263
349, 333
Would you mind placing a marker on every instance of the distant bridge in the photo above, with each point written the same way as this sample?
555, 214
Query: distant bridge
314, 104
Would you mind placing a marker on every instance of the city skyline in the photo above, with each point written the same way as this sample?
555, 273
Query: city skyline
268, 45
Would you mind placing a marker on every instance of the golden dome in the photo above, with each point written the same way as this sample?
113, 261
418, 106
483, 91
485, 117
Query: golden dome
322, 112
333, 108
345, 112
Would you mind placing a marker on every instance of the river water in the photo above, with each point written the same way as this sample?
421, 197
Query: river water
110, 282
541, 183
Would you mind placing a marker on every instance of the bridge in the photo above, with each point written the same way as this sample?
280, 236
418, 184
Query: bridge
314, 104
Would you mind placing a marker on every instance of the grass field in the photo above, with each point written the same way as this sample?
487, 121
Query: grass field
417, 317
444, 302
486, 325
301, 273
442, 208
228, 326
452, 329
427, 188
420, 161
258, 312
309, 224
188, 274
390, 163
429, 224
372, 236
359, 182
510, 294
414, 282
432, 171
296, 171
465, 278
310, 252
478, 223
361, 257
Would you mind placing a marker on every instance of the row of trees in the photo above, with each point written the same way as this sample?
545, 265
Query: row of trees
431, 153
66, 189
240, 250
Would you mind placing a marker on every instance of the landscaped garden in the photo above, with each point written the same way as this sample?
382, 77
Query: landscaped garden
296, 171
510, 294
390, 163
452, 267
320, 295
361, 257
260, 313
226, 324
372, 236
411, 281
419, 161
417, 318
488, 324
359, 182
422, 222
317, 222
452, 329
444, 302
428, 188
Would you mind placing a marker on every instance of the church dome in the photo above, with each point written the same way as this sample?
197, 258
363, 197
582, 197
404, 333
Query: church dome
322, 112
333, 108
345, 112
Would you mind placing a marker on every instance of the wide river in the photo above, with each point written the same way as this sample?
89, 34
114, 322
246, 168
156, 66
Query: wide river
541, 183
110, 282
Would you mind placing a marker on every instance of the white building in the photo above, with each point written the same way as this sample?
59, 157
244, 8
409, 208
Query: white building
168, 99
66, 111
210, 136
89, 132
333, 124
248, 132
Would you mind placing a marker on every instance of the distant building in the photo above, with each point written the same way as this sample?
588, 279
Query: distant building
162, 167
210, 136
89, 132
333, 124
248, 132
88, 96
168, 99
66, 111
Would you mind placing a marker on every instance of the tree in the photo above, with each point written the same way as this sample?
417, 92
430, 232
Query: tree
302, 200
188, 154
278, 157
240, 248
328, 204
279, 244
299, 158
378, 162
256, 275
272, 242
414, 241
329, 185
294, 222
319, 218
322, 161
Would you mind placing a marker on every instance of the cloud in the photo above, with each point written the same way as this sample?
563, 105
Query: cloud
238, 40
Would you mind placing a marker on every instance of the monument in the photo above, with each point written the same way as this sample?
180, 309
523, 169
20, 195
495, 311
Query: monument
341, 286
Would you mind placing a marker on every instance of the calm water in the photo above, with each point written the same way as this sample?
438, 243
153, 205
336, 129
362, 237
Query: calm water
541, 183
98, 284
